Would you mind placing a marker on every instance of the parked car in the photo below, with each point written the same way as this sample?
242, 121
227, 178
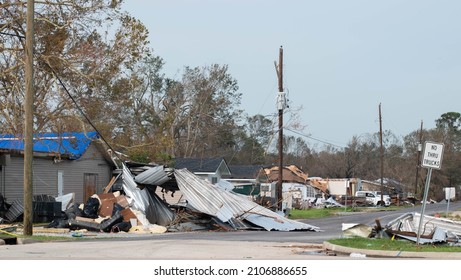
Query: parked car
374, 198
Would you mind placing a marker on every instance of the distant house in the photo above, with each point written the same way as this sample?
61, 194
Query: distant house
211, 169
245, 179
244, 173
296, 186
63, 163
390, 186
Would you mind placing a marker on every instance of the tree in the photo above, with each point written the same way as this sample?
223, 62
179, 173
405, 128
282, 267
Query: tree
73, 55
449, 124
209, 114
448, 132
253, 140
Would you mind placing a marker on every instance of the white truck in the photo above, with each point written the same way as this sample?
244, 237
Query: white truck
374, 198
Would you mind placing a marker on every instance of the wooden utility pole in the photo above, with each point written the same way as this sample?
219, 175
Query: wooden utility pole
280, 107
29, 120
418, 158
382, 153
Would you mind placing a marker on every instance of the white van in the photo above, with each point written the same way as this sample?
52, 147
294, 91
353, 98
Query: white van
374, 198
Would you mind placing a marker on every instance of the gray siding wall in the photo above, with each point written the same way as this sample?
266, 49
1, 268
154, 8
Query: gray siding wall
45, 179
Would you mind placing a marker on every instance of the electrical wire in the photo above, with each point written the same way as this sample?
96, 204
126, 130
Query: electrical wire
316, 139
71, 97
80, 109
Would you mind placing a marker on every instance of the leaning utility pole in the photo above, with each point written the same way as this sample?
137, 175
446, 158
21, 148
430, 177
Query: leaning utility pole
418, 158
280, 107
382, 152
29, 120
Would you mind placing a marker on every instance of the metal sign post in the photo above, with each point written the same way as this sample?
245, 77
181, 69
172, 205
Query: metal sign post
448, 201
432, 158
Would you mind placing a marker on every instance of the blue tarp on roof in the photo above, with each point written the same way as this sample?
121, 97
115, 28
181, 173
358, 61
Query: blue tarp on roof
71, 144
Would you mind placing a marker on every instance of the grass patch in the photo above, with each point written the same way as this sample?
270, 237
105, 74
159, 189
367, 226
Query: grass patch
316, 213
393, 245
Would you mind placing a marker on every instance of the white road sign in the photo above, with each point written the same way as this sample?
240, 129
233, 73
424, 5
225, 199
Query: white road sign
432, 157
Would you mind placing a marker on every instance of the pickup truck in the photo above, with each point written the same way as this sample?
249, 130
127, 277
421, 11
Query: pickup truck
374, 198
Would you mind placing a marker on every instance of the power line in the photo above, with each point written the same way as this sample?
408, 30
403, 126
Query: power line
72, 98
316, 139
80, 109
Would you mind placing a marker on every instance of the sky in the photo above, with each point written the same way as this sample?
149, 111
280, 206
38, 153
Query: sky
342, 59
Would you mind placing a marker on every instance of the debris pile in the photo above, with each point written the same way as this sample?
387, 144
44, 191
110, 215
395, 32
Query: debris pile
434, 229
129, 204
228, 207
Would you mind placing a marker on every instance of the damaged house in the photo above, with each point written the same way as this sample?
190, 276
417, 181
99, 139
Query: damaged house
71, 162
128, 201
297, 190
72, 166
206, 206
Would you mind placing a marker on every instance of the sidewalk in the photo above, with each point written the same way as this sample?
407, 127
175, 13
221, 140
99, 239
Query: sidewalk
152, 249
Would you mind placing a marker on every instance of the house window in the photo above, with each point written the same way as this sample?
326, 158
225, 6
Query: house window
310, 191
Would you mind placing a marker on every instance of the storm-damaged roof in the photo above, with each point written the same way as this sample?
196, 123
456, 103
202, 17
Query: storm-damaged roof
227, 206
70, 144
291, 173
204, 206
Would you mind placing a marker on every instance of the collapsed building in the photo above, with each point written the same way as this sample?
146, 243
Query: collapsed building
129, 203
298, 190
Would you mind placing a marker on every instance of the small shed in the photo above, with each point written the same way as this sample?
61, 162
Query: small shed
71, 162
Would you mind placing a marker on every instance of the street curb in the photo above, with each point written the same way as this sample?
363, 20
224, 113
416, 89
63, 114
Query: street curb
391, 254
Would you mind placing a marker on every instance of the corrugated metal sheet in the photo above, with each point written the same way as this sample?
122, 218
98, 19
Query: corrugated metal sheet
439, 235
152, 176
410, 222
434, 229
138, 196
203, 196
156, 213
